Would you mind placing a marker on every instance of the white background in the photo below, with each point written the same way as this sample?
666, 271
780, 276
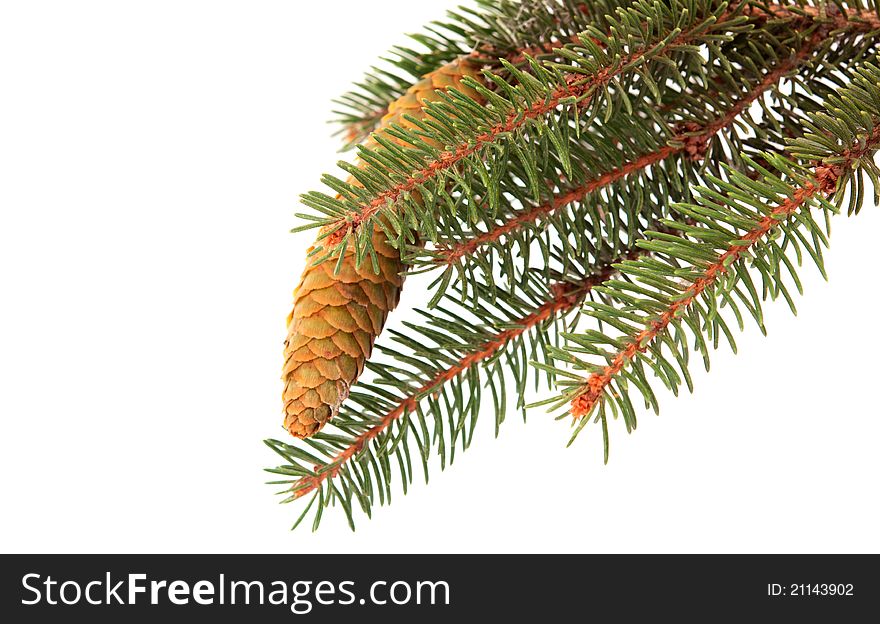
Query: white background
151, 155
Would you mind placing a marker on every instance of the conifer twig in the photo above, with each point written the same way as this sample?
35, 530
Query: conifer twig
576, 87
564, 297
693, 143
826, 181
696, 141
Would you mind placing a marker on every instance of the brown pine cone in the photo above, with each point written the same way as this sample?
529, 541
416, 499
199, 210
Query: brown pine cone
336, 317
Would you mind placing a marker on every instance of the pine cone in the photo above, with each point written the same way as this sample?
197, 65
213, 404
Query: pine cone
336, 317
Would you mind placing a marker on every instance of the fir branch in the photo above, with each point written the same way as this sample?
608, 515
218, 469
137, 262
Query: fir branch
476, 34
692, 142
672, 80
564, 297
822, 182
513, 30
464, 250
452, 254
574, 83
582, 405
357, 128
367, 442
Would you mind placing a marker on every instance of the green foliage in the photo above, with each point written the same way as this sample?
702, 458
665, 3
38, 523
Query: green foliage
625, 167
444, 370
490, 31
843, 134
725, 212
523, 116
725, 230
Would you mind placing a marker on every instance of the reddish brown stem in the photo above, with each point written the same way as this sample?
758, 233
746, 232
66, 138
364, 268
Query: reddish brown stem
451, 254
517, 57
563, 297
693, 143
826, 178
566, 297
577, 86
